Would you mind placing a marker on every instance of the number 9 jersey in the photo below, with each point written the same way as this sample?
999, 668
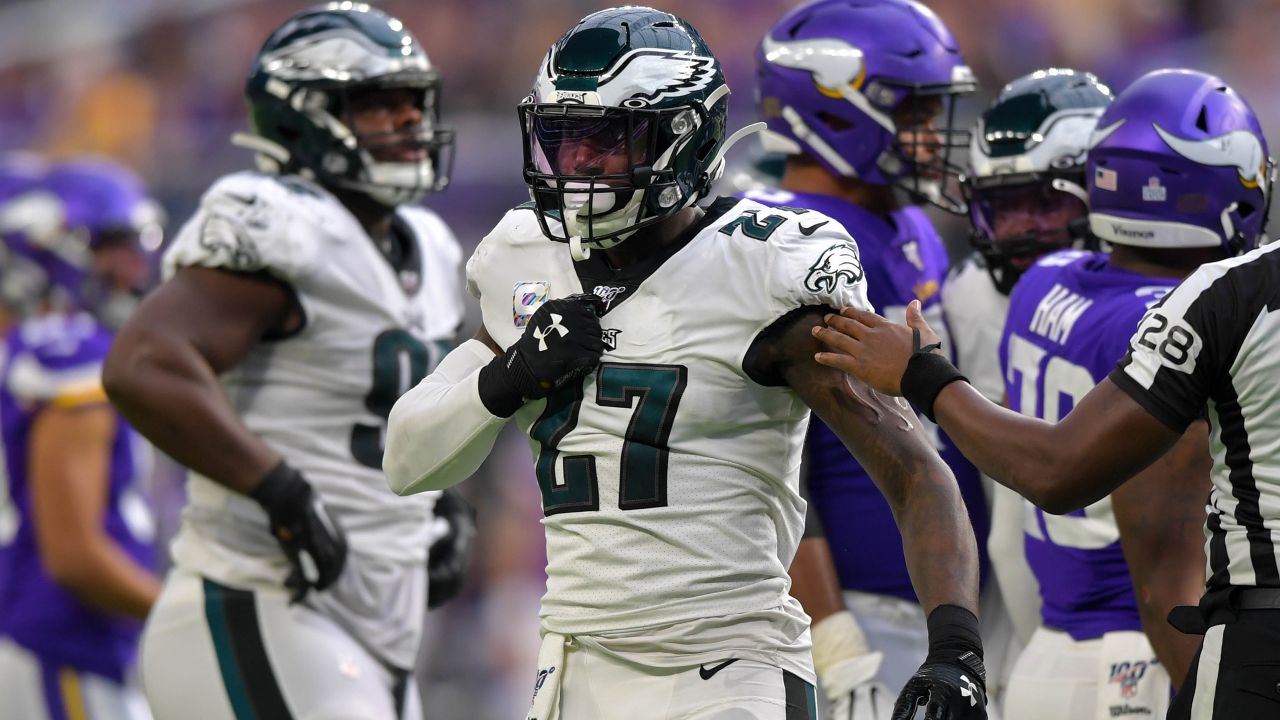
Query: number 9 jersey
321, 395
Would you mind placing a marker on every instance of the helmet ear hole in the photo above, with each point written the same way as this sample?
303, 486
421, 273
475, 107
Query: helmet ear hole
1202, 120
834, 122
705, 150
1246, 210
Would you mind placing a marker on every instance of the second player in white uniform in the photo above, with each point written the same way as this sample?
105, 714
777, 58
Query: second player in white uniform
300, 581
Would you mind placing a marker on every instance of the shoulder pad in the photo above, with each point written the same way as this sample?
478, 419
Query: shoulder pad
248, 222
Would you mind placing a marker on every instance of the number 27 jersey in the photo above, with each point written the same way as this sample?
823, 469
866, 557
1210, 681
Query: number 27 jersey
669, 476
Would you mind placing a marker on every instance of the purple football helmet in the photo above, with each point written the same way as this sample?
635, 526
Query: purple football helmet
86, 228
19, 279
1179, 161
845, 81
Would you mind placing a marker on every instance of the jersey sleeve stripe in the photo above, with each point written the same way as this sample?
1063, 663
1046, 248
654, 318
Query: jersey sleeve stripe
80, 396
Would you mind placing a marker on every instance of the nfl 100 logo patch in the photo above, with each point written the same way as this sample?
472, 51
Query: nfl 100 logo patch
526, 299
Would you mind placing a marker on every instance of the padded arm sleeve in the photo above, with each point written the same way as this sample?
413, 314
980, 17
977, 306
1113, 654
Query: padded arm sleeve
439, 432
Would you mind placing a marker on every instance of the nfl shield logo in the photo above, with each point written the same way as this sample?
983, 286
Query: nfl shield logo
526, 298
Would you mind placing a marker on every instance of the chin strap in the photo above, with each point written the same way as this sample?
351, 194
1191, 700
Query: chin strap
271, 156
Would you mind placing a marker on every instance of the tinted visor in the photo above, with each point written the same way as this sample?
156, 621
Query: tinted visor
590, 142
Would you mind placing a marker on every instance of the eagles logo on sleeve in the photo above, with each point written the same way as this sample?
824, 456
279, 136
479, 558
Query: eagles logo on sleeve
838, 262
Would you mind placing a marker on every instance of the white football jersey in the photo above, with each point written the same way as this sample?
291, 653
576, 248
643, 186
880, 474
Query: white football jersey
320, 396
975, 310
669, 477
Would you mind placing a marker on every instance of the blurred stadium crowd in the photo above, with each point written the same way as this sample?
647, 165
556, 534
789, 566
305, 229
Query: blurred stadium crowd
157, 85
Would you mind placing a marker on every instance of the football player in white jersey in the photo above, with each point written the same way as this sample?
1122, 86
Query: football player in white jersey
300, 301
658, 353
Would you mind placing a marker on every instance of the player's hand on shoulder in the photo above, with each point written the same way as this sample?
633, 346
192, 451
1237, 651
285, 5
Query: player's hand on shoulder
450, 554
310, 536
562, 342
853, 690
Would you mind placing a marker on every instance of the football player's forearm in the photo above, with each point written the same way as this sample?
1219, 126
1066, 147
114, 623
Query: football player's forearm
1046, 462
937, 538
106, 577
167, 392
439, 432
1160, 515
814, 581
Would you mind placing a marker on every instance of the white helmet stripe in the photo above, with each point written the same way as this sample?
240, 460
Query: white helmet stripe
1240, 149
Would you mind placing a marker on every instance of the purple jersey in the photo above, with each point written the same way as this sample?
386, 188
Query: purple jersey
56, 361
904, 259
1070, 319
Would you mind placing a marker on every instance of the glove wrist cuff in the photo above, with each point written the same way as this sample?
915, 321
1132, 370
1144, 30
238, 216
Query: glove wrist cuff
281, 490
953, 631
499, 389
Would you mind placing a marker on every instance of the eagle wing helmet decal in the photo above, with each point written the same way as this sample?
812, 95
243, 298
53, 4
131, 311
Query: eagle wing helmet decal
644, 76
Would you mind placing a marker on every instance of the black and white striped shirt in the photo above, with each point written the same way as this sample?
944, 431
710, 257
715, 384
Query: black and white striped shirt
1215, 342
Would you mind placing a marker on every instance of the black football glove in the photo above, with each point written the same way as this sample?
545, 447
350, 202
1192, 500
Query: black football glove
954, 689
449, 556
951, 683
562, 343
311, 538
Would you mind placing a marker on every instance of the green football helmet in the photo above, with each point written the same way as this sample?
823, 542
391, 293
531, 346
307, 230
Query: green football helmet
1027, 168
301, 91
625, 126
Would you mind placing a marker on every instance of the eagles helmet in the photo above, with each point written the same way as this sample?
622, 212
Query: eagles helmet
1179, 161
81, 237
847, 81
1026, 186
301, 91
625, 126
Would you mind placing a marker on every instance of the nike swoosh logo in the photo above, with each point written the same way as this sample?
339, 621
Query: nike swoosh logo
705, 673
807, 231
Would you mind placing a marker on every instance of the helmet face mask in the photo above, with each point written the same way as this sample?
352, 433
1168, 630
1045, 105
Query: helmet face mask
319, 75
625, 126
923, 151
608, 172
1020, 217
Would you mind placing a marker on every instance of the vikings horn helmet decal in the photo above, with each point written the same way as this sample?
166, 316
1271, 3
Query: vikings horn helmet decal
1186, 165
1239, 149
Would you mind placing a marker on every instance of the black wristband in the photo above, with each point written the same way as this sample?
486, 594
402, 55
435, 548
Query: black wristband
499, 387
927, 373
953, 631
281, 490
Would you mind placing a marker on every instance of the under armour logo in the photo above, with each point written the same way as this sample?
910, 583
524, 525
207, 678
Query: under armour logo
542, 333
970, 690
